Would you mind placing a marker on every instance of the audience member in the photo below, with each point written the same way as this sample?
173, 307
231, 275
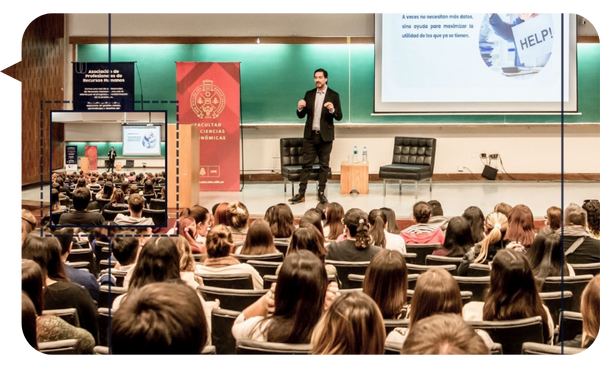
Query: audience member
484, 251
592, 207
259, 239
49, 327
59, 292
160, 318
391, 217
136, 206
237, 220
513, 294
117, 201
282, 221
106, 192
422, 232
28, 223
377, 222
458, 240
219, 244
125, 249
352, 325
437, 215
520, 230
188, 229
81, 216
503, 208
547, 258
334, 227
312, 216
203, 221
553, 218
187, 264
386, 282
290, 310
579, 246
220, 213
590, 314
443, 334
357, 246
80, 277
475, 219
28, 320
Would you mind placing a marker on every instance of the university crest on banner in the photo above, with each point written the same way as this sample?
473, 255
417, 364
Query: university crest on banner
209, 98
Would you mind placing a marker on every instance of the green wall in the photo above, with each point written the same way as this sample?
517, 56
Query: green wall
104, 147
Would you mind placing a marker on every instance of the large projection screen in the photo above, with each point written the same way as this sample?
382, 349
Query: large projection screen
475, 63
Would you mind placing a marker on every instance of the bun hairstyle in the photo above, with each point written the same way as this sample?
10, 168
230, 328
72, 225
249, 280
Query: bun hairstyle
219, 242
496, 223
356, 222
237, 215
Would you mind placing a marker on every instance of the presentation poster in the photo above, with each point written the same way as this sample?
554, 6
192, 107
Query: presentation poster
209, 98
141, 140
91, 152
103, 86
71, 158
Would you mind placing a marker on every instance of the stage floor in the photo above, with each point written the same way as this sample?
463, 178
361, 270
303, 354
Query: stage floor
454, 196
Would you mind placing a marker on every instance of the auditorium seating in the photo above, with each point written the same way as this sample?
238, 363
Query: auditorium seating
244, 346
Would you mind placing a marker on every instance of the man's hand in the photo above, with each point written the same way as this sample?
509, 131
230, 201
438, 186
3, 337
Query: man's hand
301, 104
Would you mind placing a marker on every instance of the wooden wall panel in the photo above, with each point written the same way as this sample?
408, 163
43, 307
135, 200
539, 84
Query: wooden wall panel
41, 72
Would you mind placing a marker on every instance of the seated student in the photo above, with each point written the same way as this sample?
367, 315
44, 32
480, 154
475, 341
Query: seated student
520, 230
357, 246
237, 220
592, 207
160, 318
117, 201
553, 218
437, 215
29, 320
187, 228
187, 264
81, 216
219, 244
281, 221
28, 223
483, 252
352, 325
81, 277
443, 334
579, 245
458, 239
125, 249
259, 240
590, 314
422, 232
475, 219
136, 206
547, 258
333, 227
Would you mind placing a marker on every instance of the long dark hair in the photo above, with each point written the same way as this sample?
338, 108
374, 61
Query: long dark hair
386, 281
356, 222
377, 220
45, 250
475, 218
259, 239
547, 257
310, 238
333, 218
282, 221
459, 238
158, 261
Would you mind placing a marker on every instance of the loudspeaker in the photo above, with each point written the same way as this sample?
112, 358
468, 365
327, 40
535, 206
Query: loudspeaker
489, 172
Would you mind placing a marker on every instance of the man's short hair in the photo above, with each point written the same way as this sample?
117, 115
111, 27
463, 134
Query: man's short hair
81, 198
160, 318
65, 238
125, 246
575, 215
322, 71
421, 212
136, 202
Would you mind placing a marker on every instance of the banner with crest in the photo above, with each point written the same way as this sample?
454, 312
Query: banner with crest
208, 96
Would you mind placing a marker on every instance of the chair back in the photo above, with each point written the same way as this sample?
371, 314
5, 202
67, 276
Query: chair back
478, 269
102, 202
245, 347
570, 325
586, 268
410, 257
414, 150
512, 334
230, 281
234, 299
272, 257
264, 267
104, 317
158, 204
60, 347
442, 260
478, 285
422, 251
465, 296
221, 323
84, 255
418, 268
159, 217
536, 348
344, 268
119, 275
109, 215
557, 301
391, 324
355, 281
282, 245
108, 294
69, 315
574, 284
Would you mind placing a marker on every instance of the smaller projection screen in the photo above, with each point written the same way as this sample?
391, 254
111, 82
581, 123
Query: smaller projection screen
141, 140
475, 63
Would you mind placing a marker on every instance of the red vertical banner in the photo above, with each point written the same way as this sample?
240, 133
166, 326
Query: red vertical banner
91, 152
209, 98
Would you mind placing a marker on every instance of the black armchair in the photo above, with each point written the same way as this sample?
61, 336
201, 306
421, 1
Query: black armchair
290, 153
413, 160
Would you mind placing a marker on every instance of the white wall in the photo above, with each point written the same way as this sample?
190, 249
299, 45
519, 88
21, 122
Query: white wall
523, 148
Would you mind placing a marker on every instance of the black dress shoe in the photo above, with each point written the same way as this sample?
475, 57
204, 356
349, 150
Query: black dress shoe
322, 198
297, 198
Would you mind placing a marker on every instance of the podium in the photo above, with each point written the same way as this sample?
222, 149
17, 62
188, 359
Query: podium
354, 176
84, 165
183, 171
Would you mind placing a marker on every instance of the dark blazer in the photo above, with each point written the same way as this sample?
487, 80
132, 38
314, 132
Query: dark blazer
327, 131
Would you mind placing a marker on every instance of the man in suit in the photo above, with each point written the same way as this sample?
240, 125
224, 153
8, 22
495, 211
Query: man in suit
320, 106
112, 155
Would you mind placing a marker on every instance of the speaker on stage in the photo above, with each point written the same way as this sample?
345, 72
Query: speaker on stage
489, 172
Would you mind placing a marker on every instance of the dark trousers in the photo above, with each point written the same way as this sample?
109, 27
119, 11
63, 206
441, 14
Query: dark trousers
311, 149
111, 165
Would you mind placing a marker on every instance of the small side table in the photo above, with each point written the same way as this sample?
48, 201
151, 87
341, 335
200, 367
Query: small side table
354, 176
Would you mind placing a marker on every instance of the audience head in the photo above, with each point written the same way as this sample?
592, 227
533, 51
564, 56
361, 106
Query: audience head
356, 223
269, 214
220, 213
554, 217
520, 225
475, 219
45, 250
421, 212
259, 239
282, 221
312, 217
436, 208
29, 320
575, 215
108, 189
352, 325
65, 239
55, 199
82, 182
546, 257
496, 224
237, 215
333, 218
200, 215
219, 242
136, 203
386, 282
158, 261
377, 222
160, 318
148, 187
436, 292
32, 283
186, 257
187, 225
590, 311
503, 208
392, 225
592, 208
459, 237
125, 247
81, 198
28, 223
118, 196
443, 334
309, 238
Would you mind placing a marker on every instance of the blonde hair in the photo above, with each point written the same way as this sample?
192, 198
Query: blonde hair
496, 223
186, 258
590, 310
237, 215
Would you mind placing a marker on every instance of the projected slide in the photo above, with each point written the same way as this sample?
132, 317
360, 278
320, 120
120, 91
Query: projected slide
473, 63
141, 140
